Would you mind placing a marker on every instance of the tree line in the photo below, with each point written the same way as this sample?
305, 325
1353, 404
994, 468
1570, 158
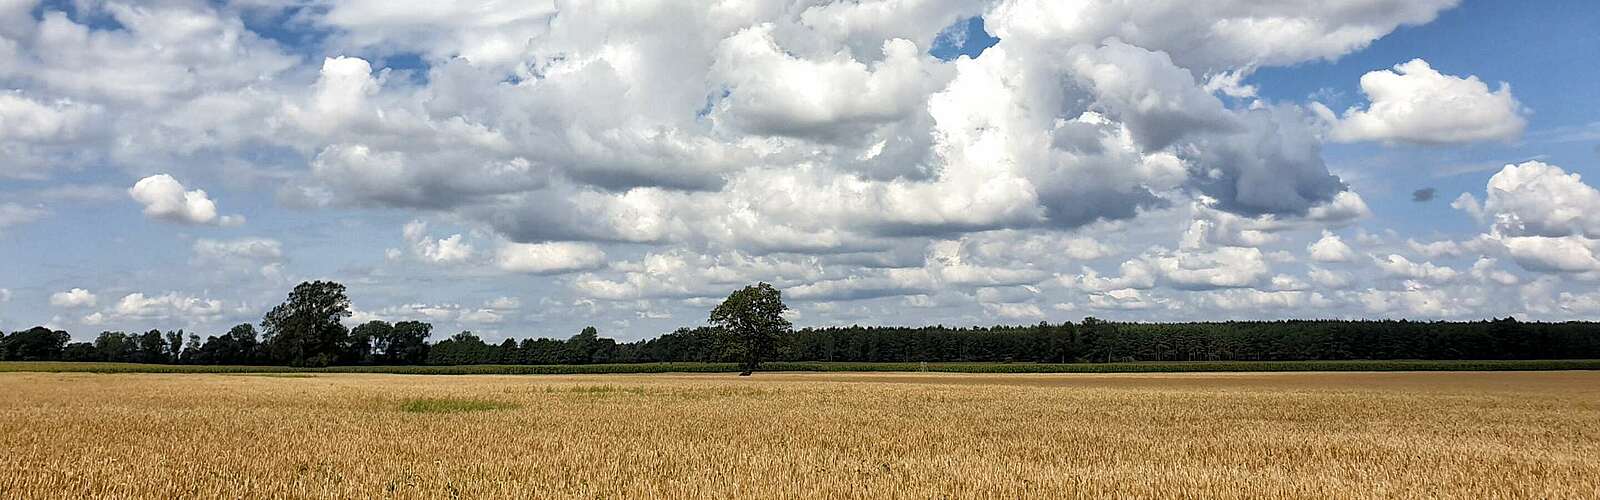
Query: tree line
307, 330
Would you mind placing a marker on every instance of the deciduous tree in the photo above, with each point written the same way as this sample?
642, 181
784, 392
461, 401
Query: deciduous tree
305, 330
752, 318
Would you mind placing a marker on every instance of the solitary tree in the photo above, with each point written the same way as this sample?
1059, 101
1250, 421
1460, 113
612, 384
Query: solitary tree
305, 330
752, 319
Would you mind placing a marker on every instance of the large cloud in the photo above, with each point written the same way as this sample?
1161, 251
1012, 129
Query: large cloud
770, 92
1417, 104
1566, 254
1541, 216
1217, 34
36, 137
1539, 199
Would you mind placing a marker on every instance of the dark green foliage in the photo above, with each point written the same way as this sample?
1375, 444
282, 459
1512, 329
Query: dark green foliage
1090, 345
704, 345
174, 347
587, 347
360, 350
152, 348
80, 351
34, 344
752, 318
462, 349
507, 352
116, 347
237, 347
1091, 341
406, 344
305, 330
541, 352
191, 349
403, 343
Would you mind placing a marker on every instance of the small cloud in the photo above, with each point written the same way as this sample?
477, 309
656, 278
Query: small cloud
164, 198
242, 249
450, 250
549, 258
1423, 195
503, 303
73, 299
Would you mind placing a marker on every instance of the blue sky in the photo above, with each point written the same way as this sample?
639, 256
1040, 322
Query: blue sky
181, 164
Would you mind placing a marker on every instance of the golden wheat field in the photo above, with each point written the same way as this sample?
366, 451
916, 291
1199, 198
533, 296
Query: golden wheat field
1342, 435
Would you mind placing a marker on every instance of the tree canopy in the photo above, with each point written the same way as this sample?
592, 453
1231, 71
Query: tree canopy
752, 317
305, 330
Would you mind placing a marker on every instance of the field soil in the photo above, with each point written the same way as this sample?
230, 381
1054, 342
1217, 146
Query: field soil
788, 435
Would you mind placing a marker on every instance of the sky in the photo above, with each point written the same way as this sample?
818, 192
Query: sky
524, 169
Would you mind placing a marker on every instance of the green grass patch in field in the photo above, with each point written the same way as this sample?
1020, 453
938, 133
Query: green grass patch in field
448, 405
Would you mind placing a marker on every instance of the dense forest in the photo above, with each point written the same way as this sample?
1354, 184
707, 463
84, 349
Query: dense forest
406, 343
307, 330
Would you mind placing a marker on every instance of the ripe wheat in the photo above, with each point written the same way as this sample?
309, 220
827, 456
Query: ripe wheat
1466, 435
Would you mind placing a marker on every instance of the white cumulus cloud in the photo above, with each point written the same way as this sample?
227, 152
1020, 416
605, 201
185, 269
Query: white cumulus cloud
1415, 103
164, 198
74, 298
549, 258
449, 250
1330, 249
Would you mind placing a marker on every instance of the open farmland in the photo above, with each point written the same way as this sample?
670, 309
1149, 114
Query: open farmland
823, 366
883, 435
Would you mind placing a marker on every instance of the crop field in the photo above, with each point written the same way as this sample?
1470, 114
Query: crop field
786, 435
822, 366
